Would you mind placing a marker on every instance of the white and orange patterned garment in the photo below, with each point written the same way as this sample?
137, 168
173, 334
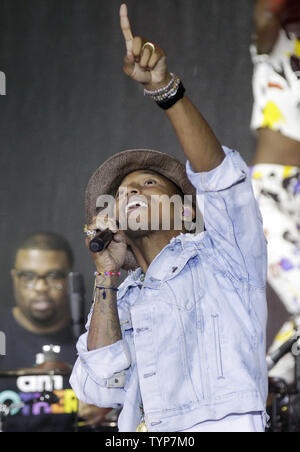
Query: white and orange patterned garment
276, 87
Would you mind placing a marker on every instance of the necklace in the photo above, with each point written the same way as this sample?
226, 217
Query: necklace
142, 427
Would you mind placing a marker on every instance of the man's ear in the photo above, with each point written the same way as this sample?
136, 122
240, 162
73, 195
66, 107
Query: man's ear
188, 213
13, 275
189, 218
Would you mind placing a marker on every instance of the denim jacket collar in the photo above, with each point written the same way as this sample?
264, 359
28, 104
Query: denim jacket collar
167, 264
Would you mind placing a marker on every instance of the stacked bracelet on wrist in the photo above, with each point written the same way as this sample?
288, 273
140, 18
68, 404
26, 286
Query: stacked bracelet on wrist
163, 93
172, 100
168, 96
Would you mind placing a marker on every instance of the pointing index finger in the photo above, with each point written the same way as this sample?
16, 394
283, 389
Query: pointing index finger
126, 28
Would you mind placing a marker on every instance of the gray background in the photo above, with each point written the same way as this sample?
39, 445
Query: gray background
69, 106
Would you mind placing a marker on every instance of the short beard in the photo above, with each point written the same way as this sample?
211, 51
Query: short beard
43, 321
38, 319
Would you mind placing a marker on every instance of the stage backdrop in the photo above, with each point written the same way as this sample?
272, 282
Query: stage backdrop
68, 105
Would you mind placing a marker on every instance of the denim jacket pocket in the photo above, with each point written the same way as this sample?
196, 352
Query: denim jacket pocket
182, 286
179, 296
218, 347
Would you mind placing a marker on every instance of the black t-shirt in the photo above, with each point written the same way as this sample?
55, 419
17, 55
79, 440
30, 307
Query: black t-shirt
54, 414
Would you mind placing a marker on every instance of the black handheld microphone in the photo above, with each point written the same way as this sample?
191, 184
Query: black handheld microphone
102, 241
273, 358
77, 298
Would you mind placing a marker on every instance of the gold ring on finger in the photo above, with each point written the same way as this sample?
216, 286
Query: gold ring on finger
89, 233
149, 44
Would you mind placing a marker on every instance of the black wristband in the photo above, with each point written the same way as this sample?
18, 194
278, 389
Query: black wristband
168, 103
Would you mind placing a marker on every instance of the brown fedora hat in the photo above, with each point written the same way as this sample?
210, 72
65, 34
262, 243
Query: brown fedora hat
109, 176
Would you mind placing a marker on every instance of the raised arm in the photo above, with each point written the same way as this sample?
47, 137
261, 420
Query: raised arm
146, 63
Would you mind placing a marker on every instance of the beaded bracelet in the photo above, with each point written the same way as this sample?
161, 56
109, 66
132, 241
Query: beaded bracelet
167, 95
166, 92
172, 100
107, 274
161, 90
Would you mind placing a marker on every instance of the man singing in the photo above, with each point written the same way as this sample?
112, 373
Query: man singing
180, 344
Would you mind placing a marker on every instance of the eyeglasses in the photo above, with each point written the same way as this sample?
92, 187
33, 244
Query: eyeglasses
53, 279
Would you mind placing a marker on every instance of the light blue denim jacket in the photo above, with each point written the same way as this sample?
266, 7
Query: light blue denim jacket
193, 346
